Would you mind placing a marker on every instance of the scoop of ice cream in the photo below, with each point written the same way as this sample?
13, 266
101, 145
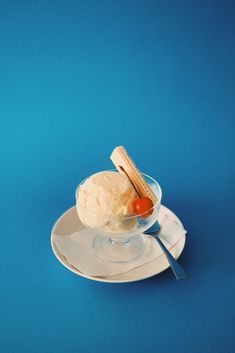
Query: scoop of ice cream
104, 196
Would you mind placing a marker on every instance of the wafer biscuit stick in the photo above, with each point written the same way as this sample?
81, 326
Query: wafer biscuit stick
125, 164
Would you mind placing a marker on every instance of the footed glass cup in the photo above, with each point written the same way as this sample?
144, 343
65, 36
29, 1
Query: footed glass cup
121, 238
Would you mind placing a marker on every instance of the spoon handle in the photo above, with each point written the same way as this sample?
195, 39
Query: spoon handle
177, 269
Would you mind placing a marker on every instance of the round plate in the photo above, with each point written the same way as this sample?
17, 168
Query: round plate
69, 222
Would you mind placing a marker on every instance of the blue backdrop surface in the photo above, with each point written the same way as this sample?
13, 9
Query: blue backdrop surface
78, 78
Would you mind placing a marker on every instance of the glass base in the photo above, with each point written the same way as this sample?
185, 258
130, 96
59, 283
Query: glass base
113, 250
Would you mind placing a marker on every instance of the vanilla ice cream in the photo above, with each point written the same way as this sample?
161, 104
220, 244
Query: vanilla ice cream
103, 197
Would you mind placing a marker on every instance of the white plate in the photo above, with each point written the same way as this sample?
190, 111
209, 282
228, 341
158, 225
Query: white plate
69, 223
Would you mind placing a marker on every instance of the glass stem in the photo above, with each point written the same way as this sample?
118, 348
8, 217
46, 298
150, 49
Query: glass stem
118, 241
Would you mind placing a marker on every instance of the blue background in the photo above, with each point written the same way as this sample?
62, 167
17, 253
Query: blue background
78, 78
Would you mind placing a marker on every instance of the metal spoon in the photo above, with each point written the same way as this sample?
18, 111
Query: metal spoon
177, 269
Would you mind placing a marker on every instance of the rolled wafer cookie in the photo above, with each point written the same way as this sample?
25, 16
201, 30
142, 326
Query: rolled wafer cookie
125, 164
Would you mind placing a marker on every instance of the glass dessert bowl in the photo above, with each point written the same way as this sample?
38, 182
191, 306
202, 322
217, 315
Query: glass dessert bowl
119, 238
